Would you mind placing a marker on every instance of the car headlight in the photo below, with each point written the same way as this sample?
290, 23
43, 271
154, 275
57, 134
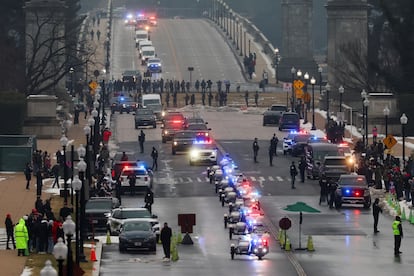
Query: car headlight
163, 113
175, 143
166, 132
194, 153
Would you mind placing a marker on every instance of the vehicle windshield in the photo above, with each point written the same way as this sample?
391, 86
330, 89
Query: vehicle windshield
126, 214
197, 127
320, 154
353, 181
148, 53
302, 138
154, 60
145, 112
99, 204
151, 101
335, 162
180, 135
137, 226
142, 36
278, 108
290, 117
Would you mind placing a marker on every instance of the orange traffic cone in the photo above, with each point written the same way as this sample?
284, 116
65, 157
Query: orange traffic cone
93, 254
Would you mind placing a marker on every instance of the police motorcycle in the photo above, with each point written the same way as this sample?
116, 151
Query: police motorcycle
250, 245
228, 196
240, 228
211, 172
232, 218
222, 186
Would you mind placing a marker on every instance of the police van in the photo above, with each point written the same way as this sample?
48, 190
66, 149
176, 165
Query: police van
315, 154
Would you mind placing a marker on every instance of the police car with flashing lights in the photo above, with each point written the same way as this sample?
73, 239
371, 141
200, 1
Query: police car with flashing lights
142, 176
154, 65
289, 141
203, 151
352, 189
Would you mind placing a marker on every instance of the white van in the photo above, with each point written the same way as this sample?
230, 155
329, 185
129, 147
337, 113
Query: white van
147, 52
143, 43
140, 35
153, 102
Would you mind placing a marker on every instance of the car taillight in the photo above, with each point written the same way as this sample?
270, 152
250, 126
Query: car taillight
113, 173
146, 178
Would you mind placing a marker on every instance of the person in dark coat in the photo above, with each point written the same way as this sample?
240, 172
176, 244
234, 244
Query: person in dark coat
65, 211
132, 182
154, 155
43, 234
376, 209
141, 140
293, 173
166, 234
149, 199
9, 231
55, 172
39, 182
255, 150
324, 192
271, 152
302, 168
28, 174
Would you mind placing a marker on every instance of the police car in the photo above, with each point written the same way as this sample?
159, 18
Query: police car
154, 65
203, 151
142, 178
289, 141
352, 189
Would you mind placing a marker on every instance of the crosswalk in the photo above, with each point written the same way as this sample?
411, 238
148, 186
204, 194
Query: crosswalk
200, 179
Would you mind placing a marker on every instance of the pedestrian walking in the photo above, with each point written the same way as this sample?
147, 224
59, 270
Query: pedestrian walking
39, 183
374, 134
302, 168
149, 199
186, 98
55, 172
271, 156
246, 98
9, 231
124, 156
141, 140
192, 99
398, 235
28, 174
132, 181
255, 150
323, 197
376, 209
273, 143
166, 234
92, 33
154, 155
332, 186
98, 34
22, 237
293, 173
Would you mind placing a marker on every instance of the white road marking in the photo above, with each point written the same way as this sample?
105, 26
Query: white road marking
279, 178
271, 178
253, 178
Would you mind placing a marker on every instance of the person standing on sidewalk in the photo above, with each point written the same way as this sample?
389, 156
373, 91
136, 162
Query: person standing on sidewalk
271, 156
293, 173
22, 237
55, 172
28, 174
166, 234
9, 231
302, 168
154, 155
376, 209
398, 234
149, 199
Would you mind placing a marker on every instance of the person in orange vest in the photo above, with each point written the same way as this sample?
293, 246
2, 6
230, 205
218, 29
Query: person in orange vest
374, 134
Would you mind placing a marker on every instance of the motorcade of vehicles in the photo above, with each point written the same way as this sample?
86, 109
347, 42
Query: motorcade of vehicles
352, 189
141, 35
130, 20
131, 76
141, 22
118, 166
169, 128
290, 139
154, 65
147, 53
253, 244
97, 210
182, 141
273, 114
228, 196
332, 168
232, 218
145, 117
136, 234
203, 151
299, 143
289, 121
153, 102
119, 215
314, 155
239, 228
174, 116
127, 104
153, 20
143, 179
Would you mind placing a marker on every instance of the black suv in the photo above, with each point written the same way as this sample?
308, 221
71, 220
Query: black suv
290, 121
332, 168
183, 141
145, 117
352, 189
97, 210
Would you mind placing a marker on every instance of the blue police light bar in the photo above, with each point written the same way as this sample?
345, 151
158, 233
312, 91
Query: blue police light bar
348, 191
122, 98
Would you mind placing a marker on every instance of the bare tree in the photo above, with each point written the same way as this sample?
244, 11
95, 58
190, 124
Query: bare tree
47, 59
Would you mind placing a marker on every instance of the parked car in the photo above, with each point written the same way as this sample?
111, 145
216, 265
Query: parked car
97, 210
136, 234
119, 215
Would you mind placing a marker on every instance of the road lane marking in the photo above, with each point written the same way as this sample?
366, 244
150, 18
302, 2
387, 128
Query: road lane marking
198, 179
253, 178
280, 179
271, 178
261, 178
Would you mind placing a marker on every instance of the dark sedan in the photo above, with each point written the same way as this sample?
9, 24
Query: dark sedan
183, 141
137, 235
273, 114
145, 117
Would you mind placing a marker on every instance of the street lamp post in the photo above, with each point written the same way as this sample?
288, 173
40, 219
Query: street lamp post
403, 121
77, 185
366, 105
363, 97
305, 103
82, 166
48, 269
341, 90
64, 142
312, 82
95, 133
69, 229
60, 250
320, 80
327, 88
386, 112
276, 63
91, 123
293, 71
299, 75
